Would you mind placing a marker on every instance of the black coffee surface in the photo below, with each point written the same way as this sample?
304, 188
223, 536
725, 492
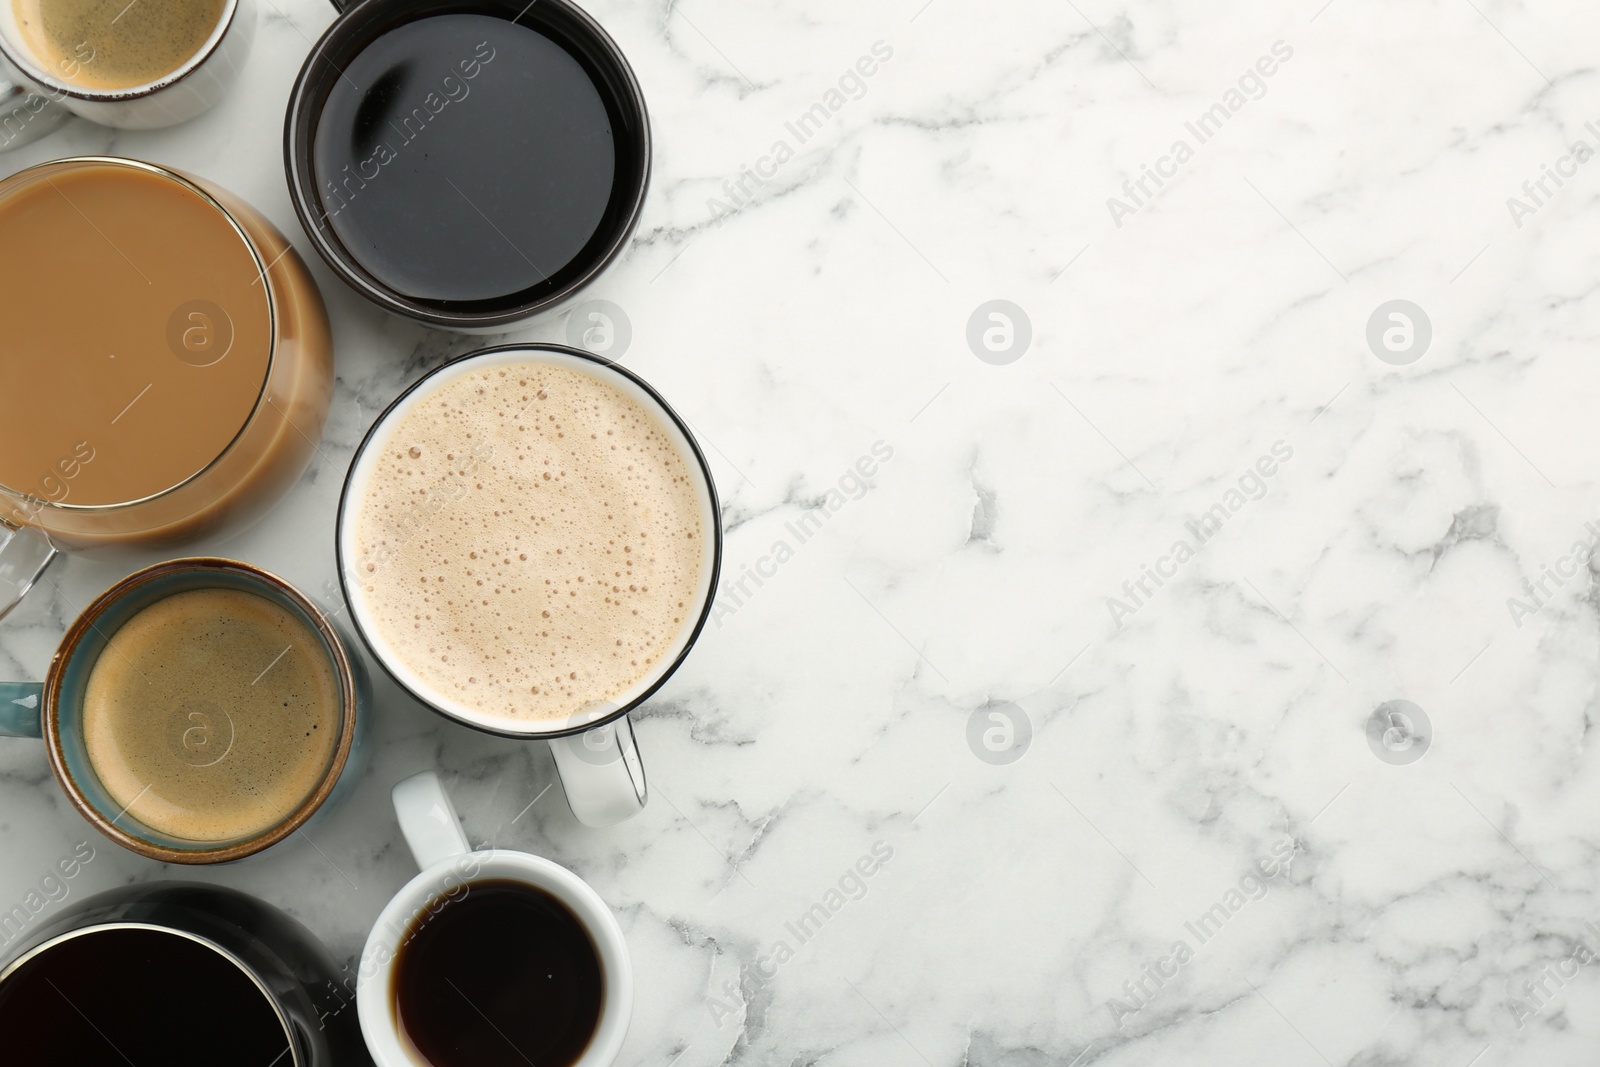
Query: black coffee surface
503, 976
140, 996
465, 158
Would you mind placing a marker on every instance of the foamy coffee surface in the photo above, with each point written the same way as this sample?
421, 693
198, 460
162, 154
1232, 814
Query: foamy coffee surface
211, 714
115, 44
529, 541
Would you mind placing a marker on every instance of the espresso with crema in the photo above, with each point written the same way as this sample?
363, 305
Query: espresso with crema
115, 44
212, 714
528, 540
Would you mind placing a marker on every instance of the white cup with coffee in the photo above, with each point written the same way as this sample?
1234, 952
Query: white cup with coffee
489, 958
529, 540
138, 65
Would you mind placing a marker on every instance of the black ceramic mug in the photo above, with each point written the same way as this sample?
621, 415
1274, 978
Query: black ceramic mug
467, 164
169, 972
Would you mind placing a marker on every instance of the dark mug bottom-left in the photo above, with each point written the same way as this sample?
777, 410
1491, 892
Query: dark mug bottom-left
171, 972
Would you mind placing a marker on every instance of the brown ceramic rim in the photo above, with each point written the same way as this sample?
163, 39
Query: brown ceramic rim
136, 92
263, 270
222, 853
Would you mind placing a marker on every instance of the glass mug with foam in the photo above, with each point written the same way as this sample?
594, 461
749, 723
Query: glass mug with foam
529, 541
167, 363
139, 65
489, 957
199, 711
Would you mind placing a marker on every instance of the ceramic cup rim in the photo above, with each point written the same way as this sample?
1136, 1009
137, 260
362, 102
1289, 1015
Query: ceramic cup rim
342, 41
25, 62
374, 982
85, 623
504, 728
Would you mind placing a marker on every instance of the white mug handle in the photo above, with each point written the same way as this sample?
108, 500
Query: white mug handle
25, 116
428, 820
602, 773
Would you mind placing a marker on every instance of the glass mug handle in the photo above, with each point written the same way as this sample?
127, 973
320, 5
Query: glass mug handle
602, 773
24, 554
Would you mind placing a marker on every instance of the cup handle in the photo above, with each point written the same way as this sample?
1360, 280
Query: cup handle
21, 709
428, 820
25, 116
24, 554
602, 773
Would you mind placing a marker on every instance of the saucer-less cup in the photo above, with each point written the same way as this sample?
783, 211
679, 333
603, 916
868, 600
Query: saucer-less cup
449, 868
178, 96
257, 460
53, 709
283, 960
595, 750
452, 113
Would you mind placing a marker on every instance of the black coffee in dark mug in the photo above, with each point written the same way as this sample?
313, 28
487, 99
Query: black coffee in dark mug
172, 972
467, 164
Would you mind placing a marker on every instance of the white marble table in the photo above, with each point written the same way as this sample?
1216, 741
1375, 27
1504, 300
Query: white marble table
1097, 900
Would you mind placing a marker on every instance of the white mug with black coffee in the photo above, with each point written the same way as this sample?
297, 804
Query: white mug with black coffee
489, 958
529, 540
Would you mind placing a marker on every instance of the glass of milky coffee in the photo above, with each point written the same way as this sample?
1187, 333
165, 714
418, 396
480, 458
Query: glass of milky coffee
137, 65
529, 542
167, 363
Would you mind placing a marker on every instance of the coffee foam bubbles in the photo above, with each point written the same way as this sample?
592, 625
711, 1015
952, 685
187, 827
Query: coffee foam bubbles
112, 44
528, 541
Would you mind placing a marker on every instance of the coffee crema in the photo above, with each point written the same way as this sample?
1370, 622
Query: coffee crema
528, 541
114, 44
212, 714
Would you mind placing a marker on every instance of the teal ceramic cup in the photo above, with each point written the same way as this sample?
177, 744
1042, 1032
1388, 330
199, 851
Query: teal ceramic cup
52, 710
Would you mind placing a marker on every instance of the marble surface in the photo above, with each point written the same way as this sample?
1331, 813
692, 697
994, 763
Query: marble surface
1123, 825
